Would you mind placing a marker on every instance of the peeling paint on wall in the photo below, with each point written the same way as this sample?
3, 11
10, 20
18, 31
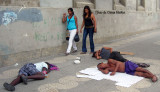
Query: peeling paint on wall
30, 15
8, 17
27, 14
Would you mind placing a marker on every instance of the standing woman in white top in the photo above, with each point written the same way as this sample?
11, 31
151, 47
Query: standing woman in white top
72, 26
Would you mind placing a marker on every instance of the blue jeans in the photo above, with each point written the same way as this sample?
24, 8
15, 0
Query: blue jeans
87, 31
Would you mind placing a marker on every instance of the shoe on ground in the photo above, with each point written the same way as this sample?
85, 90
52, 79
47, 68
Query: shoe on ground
74, 51
67, 54
83, 53
9, 87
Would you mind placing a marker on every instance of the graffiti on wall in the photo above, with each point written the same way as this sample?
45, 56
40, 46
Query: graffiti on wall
44, 37
9, 17
28, 14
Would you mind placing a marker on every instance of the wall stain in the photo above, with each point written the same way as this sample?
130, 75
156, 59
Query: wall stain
4, 49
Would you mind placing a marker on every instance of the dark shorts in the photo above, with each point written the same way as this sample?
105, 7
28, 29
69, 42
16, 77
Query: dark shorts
130, 67
117, 56
28, 70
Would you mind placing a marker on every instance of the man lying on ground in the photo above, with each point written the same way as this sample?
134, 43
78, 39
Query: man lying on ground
108, 53
125, 67
35, 71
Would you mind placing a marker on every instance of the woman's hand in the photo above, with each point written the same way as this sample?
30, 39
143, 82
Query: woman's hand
64, 15
64, 19
95, 30
77, 31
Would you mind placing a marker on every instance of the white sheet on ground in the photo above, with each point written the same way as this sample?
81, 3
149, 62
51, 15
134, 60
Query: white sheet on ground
122, 79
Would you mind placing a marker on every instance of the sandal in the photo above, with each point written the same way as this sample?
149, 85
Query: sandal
91, 52
67, 54
83, 53
74, 51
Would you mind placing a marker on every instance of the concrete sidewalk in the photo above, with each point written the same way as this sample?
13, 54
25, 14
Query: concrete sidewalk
146, 47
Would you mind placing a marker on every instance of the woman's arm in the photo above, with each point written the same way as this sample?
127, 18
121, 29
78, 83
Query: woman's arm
64, 19
82, 26
95, 22
76, 20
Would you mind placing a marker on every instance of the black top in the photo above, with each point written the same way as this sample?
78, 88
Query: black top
88, 22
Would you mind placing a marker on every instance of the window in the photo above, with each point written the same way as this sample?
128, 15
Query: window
5, 2
119, 4
123, 2
140, 5
159, 4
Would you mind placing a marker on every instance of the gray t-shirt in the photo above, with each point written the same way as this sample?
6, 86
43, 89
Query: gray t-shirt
105, 54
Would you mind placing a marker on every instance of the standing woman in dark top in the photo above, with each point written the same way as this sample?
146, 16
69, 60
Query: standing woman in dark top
89, 24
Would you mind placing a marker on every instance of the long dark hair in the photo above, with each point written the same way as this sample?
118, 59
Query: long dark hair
90, 12
71, 9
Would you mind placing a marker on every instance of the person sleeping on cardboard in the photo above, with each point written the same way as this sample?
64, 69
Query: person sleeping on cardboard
125, 67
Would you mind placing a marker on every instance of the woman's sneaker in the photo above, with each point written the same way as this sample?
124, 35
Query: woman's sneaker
67, 54
9, 87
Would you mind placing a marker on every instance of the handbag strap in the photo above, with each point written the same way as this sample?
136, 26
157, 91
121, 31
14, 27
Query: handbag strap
69, 19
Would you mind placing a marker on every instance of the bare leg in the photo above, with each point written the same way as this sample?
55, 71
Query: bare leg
38, 76
139, 69
145, 73
16, 81
10, 87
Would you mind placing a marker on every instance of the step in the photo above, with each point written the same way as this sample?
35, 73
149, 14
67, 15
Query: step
140, 8
82, 4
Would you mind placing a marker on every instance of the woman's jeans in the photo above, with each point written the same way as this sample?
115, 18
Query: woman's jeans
87, 31
71, 40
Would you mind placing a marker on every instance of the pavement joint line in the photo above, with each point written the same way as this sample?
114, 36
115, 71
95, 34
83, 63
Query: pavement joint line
67, 82
157, 43
9, 74
123, 42
70, 82
13, 72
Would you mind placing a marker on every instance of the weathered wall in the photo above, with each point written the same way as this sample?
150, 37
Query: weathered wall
26, 3
104, 4
28, 33
56, 3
